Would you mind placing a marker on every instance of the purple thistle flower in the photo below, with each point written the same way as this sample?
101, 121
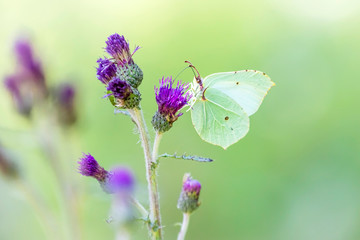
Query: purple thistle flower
192, 187
118, 48
106, 70
120, 89
88, 166
189, 196
120, 180
170, 100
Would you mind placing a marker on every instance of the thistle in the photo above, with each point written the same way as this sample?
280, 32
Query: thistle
124, 95
89, 167
121, 64
170, 100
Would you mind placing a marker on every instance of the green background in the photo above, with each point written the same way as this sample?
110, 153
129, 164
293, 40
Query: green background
296, 175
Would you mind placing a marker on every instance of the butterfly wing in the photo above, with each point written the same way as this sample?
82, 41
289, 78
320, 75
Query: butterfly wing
247, 87
219, 119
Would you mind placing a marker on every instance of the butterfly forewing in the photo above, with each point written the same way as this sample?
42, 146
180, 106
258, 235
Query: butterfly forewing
247, 87
219, 119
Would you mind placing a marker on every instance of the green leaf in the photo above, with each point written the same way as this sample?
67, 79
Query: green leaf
186, 157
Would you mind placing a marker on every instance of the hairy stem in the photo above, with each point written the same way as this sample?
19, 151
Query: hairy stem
156, 147
140, 207
184, 226
150, 165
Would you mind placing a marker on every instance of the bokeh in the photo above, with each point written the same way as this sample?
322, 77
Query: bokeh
296, 175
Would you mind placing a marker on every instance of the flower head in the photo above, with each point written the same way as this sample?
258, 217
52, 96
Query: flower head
106, 70
120, 180
170, 100
88, 166
118, 48
119, 88
189, 196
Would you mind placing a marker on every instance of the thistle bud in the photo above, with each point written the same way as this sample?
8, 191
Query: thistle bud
125, 96
131, 73
189, 196
170, 100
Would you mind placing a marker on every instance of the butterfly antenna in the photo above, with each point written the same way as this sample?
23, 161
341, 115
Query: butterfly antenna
181, 72
198, 78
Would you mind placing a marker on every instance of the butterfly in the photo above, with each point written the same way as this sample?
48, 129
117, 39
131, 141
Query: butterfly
223, 102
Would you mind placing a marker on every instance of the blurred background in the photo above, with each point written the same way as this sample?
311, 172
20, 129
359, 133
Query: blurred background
296, 175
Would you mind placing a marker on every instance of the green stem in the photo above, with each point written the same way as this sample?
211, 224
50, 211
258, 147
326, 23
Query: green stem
48, 141
140, 207
156, 147
47, 220
122, 233
184, 226
150, 165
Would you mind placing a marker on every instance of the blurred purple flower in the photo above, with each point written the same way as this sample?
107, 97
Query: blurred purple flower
120, 180
27, 85
65, 101
27, 63
23, 99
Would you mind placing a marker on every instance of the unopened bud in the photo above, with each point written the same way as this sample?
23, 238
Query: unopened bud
131, 73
